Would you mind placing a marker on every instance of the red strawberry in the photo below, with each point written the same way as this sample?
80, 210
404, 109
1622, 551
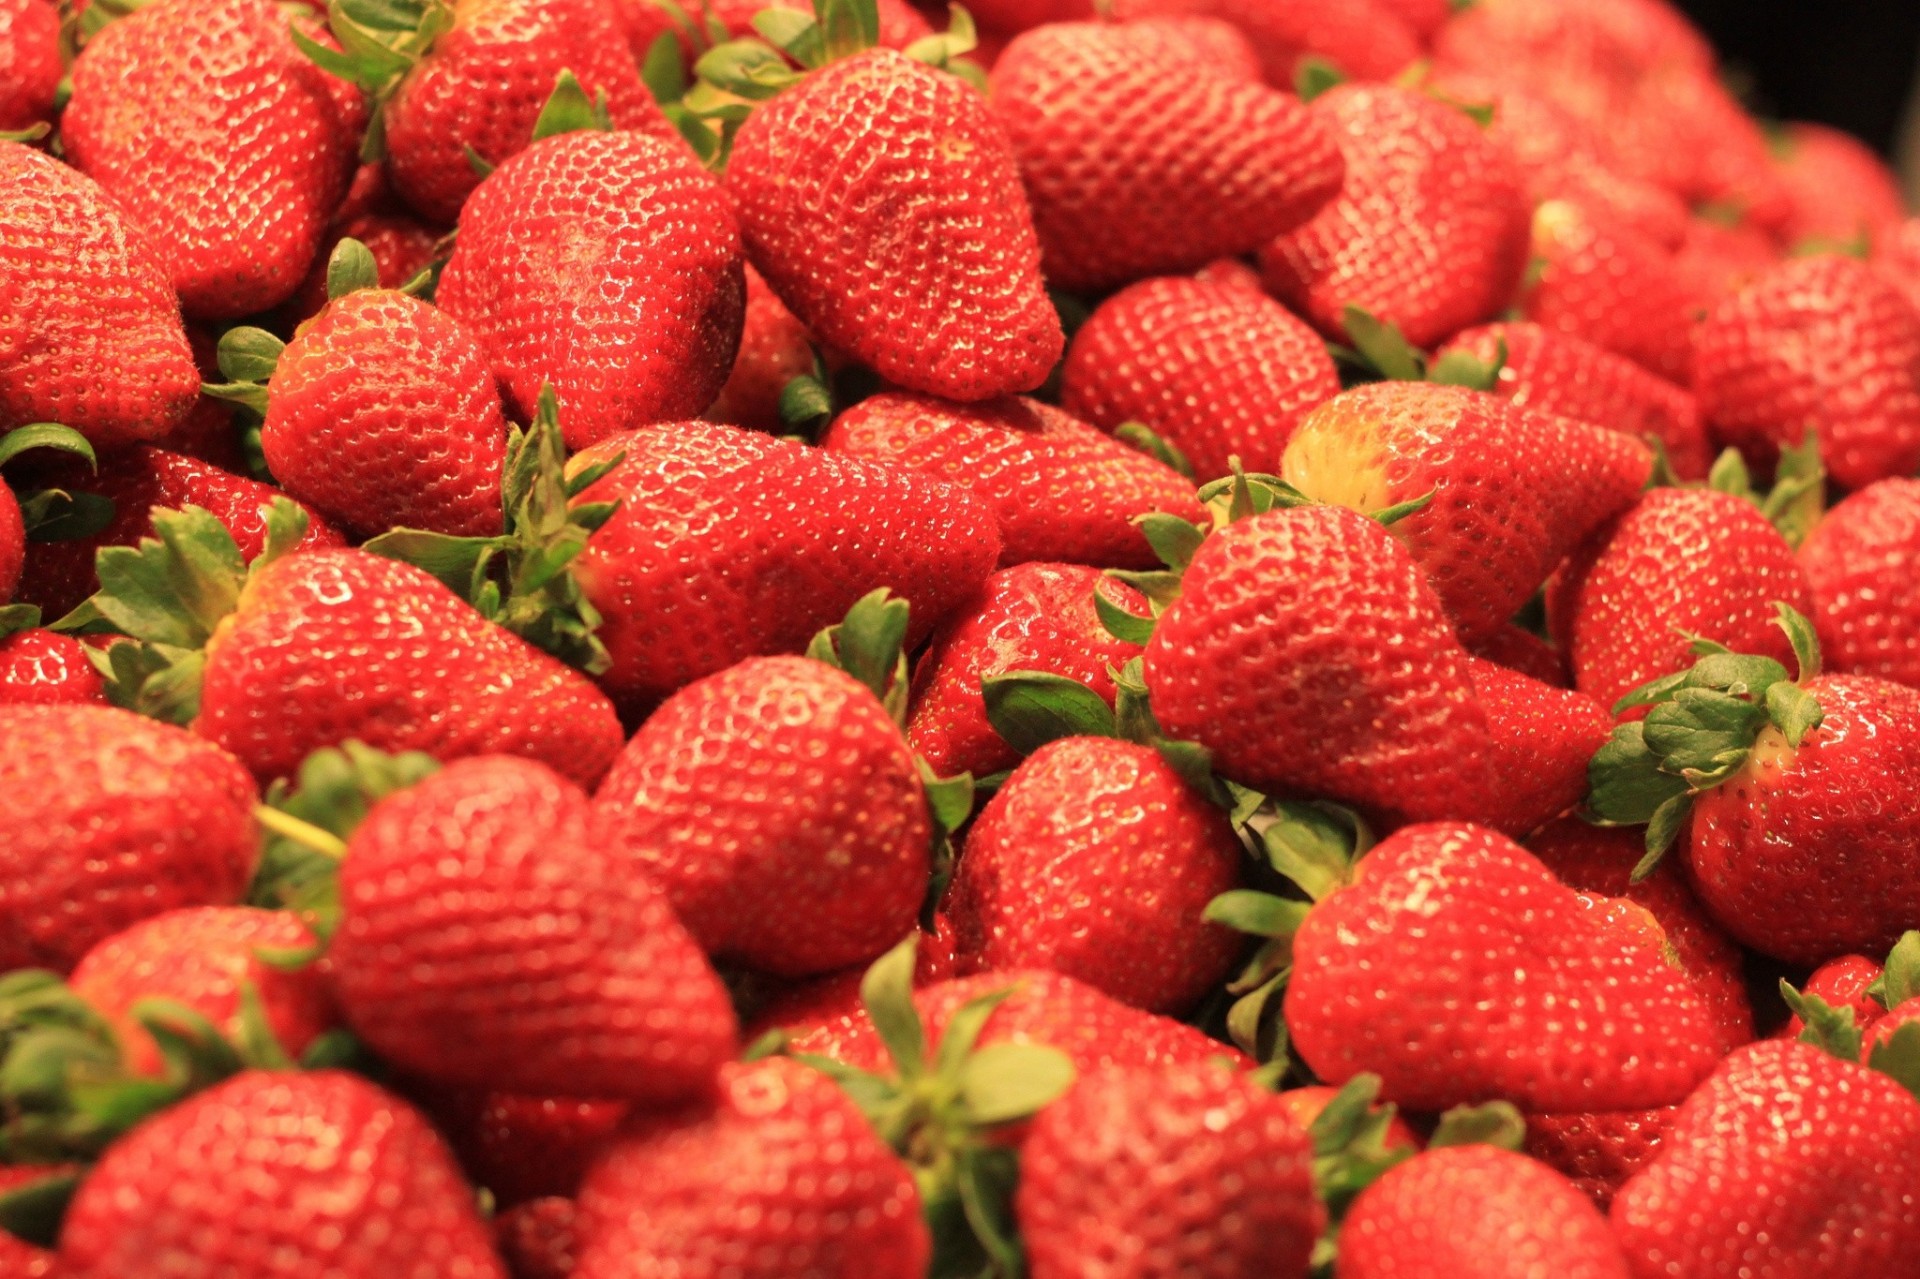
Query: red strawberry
539, 1239
201, 957
1786, 1164
1599, 1152
1476, 1210
1859, 560
1904, 1013
1308, 1103
1206, 162
42, 667
523, 1149
1552, 372
220, 141
1842, 983
914, 257
1523, 651
778, 1175
18, 1258
1539, 741
1822, 343
1839, 190
91, 334
111, 819
1608, 284
1427, 234
293, 1173
1187, 1171
30, 68
13, 542
1060, 489
775, 348
401, 244
1096, 860
1364, 39
1512, 491
648, 333
1719, 258
1219, 371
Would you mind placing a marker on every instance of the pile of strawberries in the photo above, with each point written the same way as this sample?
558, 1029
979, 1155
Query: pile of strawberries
1227, 639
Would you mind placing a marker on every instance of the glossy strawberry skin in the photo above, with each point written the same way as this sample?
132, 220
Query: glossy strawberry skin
1459, 970
775, 348
778, 1175
666, 281
1842, 983
1206, 163
1428, 232
1607, 283
1366, 39
91, 336
1218, 371
730, 545
779, 808
1031, 617
221, 141
39, 667
1522, 651
1187, 1171
1858, 560
1821, 343
1540, 740
1061, 489
1599, 1152
111, 818
270, 1174
1316, 615
30, 68
472, 951
1785, 1164
916, 257
382, 413
335, 646
1096, 860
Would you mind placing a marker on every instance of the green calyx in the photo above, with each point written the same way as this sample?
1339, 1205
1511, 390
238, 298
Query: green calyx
1899, 979
1379, 352
249, 356
15, 618
1313, 76
1833, 1031
521, 579
568, 110
55, 515
381, 41
1140, 436
1797, 499
1701, 728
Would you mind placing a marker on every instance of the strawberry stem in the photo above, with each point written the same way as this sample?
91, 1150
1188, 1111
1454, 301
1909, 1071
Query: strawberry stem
306, 834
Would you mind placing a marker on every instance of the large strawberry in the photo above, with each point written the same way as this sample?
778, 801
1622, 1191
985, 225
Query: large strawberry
1860, 560
1221, 372
1512, 492
608, 266
220, 141
1206, 162
30, 68
1428, 232
1365, 39
275, 1173
91, 334
1060, 489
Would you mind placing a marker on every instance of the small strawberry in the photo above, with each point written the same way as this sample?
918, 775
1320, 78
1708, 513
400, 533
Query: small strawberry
402, 246
43, 667
1429, 231
30, 67
1539, 741
1839, 190
539, 1239
775, 348
1218, 371
1364, 39
1858, 560
1521, 650
1605, 282
523, 1149
1599, 1152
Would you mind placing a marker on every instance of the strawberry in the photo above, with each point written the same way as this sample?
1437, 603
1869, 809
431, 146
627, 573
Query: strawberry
523, 1149
1719, 257
1599, 1152
30, 68
92, 335
1095, 859
539, 1239
1547, 371
278, 1173
402, 247
1539, 741
899, 23
1857, 559
646, 335
43, 667
1317, 615
1522, 651
1061, 490
1308, 1103
1682, 562
919, 261
204, 957
1843, 984
1206, 161
13, 544
1512, 491
1476, 1210
1785, 1164
219, 141
1364, 39
1217, 370
775, 348
1821, 342
529, 985
1031, 617
1903, 1014
1839, 190
1429, 231
1179, 1171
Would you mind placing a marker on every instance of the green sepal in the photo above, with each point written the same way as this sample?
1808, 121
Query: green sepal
847, 26
1388, 516
985, 1179
481, 166
1247, 494
745, 68
1899, 980
1494, 1123
60, 515
1257, 914
949, 799
1462, 368
943, 49
806, 402
1119, 623
886, 992
1801, 635
1002, 1082
870, 645
569, 110
1174, 540
1158, 447
1255, 1021
32, 133
46, 435
1899, 1056
1830, 1029
248, 358
33, 1212
1313, 76
1312, 844
1383, 346
1798, 497
1031, 708
15, 618
664, 69
1350, 1150
350, 266
248, 395
338, 1049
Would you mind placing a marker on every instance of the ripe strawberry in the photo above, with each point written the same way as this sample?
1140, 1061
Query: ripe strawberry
919, 261
1599, 1152
1785, 1164
1842, 983
1060, 489
111, 819
528, 984
43, 667
201, 957
219, 141
1428, 232
1476, 1210
1187, 1171
13, 543
775, 348
1821, 342
1547, 371
91, 334
1904, 1013
1096, 860
291, 1173
1858, 560
1512, 492
1363, 39
1681, 562
1608, 284
1523, 651
1207, 163
728, 545
539, 1239
646, 335
523, 1149
777, 1175
1317, 615
1218, 371
1718, 258
1539, 741
1839, 190
402, 247
30, 68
